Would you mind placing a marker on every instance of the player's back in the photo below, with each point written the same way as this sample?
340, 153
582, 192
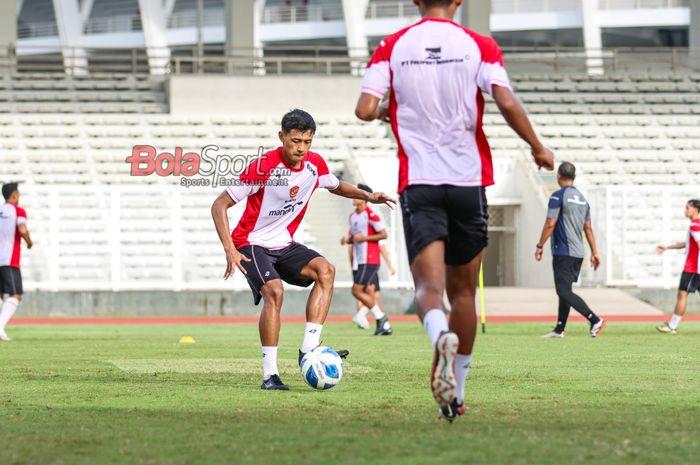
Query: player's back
436, 70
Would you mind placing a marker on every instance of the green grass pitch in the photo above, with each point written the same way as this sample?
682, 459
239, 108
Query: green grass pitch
132, 395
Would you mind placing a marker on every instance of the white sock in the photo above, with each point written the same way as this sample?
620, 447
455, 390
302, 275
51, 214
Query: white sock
673, 324
377, 312
462, 364
269, 357
363, 311
435, 322
9, 306
312, 336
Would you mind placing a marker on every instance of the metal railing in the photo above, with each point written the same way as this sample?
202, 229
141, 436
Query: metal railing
533, 6
329, 60
121, 23
639, 4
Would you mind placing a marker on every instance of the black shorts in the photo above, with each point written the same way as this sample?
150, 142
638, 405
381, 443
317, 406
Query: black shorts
690, 282
456, 215
284, 264
375, 281
10, 280
365, 274
566, 269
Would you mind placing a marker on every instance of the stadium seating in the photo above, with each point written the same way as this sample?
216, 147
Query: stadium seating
619, 130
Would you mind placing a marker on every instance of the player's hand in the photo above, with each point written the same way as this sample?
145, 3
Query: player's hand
595, 261
392, 271
544, 158
29, 244
383, 112
381, 197
343, 240
233, 261
538, 254
661, 248
358, 238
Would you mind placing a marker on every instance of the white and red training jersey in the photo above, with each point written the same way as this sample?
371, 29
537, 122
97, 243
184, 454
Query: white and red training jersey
11, 216
367, 223
436, 71
692, 252
277, 198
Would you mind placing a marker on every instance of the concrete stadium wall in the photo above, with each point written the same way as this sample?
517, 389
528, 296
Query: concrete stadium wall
186, 303
664, 299
263, 95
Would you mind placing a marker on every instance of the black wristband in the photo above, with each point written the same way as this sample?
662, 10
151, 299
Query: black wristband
539, 246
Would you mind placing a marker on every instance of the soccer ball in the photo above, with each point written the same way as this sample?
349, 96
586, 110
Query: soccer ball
322, 368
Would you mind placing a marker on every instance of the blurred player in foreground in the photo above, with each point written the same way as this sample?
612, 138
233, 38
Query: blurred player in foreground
435, 72
13, 226
690, 278
278, 186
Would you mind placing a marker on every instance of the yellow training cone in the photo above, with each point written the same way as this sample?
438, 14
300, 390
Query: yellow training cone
187, 340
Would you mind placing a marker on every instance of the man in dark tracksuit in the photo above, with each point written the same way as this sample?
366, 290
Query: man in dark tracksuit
568, 217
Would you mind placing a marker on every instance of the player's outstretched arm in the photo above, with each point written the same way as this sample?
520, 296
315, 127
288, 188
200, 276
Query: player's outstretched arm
347, 190
385, 255
547, 231
664, 248
219, 213
590, 237
24, 232
516, 117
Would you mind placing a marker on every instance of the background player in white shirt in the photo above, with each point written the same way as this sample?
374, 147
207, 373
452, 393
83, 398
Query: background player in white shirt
435, 72
690, 278
366, 231
278, 186
13, 226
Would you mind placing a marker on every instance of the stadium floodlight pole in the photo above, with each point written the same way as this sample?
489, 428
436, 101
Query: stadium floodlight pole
481, 298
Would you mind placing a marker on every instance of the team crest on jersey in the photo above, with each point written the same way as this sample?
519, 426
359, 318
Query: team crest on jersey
293, 191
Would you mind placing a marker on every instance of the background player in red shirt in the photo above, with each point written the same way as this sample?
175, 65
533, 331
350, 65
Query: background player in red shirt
690, 278
13, 226
366, 230
435, 72
278, 186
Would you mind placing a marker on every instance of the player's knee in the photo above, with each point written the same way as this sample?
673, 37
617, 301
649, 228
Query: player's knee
562, 289
326, 273
273, 292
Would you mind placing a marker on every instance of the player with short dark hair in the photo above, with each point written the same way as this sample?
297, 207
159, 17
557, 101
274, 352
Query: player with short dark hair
690, 278
568, 218
435, 72
13, 226
366, 230
278, 186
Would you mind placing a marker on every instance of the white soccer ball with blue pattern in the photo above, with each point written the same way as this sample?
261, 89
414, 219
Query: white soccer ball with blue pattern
322, 368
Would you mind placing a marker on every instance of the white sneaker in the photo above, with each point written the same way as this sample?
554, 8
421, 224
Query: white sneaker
598, 328
360, 321
4, 337
553, 335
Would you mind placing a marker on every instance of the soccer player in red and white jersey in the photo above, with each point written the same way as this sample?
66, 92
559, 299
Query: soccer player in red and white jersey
435, 72
13, 226
278, 187
366, 230
690, 278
